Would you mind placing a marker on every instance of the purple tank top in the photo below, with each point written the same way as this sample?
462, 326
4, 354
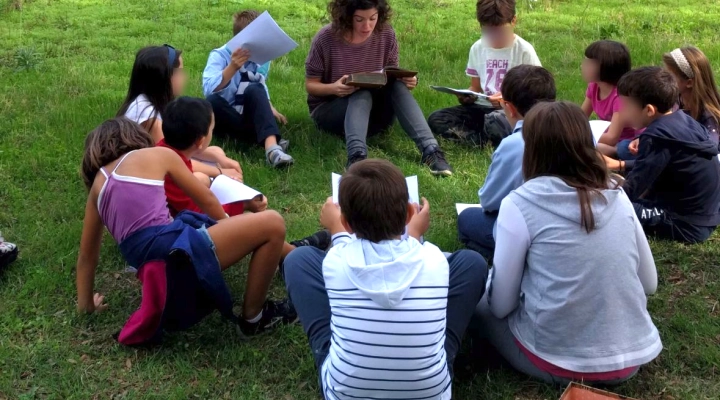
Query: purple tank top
128, 204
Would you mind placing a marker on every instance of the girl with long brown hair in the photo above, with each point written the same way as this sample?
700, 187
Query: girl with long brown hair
572, 265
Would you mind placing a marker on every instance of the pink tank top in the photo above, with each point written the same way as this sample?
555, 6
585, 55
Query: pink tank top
128, 204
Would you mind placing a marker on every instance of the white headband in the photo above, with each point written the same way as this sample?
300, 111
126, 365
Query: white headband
682, 63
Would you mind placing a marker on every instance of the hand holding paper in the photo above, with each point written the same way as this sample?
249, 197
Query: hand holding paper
263, 39
229, 191
330, 217
420, 222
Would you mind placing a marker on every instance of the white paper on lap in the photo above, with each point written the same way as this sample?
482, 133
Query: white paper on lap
598, 127
228, 190
460, 207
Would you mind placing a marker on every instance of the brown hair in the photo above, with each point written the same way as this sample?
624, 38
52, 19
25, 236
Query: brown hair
705, 96
559, 143
526, 85
242, 19
342, 12
374, 199
650, 86
495, 12
110, 141
613, 57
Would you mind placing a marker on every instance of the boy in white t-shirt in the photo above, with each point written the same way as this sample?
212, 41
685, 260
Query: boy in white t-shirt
498, 50
384, 316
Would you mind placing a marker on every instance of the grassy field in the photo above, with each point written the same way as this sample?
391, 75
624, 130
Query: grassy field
64, 68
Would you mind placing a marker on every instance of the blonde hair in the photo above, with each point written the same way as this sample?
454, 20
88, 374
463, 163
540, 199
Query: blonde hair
110, 141
242, 19
705, 96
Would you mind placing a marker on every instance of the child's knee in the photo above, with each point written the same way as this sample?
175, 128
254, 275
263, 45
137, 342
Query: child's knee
274, 223
216, 150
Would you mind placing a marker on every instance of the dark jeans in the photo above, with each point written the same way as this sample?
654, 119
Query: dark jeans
623, 150
306, 288
369, 112
657, 222
254, 125
475, 230
472, 123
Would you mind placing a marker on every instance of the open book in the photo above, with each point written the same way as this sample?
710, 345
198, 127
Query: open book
412, 185
482, 99
376, 80
228, 190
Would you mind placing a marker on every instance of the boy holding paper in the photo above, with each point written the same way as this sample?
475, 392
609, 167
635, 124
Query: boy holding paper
498, 50
188, 124
240, 98
382, 314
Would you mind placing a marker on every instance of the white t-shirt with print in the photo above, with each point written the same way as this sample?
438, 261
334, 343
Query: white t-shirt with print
141, 110
491, 65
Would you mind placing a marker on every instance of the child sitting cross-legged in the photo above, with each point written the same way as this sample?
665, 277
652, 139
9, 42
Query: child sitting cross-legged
523, 87
188, 127
123, 172
674, 183
498, 50
384, 316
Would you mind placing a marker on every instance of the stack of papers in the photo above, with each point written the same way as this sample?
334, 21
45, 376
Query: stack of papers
264, 39
228, 190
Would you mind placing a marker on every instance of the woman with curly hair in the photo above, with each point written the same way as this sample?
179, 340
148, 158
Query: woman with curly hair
360, 39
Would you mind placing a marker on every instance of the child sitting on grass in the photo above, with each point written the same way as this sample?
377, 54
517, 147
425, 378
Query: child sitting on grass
674, 183
127, 196
384, 316
498, 50
240, 98
523, 87
605, 62
158, 77
188, 126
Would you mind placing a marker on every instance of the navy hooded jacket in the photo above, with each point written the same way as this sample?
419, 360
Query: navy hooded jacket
677, 170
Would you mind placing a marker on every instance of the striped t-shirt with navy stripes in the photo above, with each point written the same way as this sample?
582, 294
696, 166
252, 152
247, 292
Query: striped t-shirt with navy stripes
380, 351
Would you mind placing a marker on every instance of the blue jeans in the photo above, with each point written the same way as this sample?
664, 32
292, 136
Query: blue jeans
306, 288
623, 150
475, 230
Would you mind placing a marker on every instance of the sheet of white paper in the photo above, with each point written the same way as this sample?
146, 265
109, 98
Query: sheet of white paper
264, 39
482, 99
412, 184
228, 190
460, 207
598, 127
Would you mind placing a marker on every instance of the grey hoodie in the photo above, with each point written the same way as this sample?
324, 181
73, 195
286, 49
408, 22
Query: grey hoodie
582, 303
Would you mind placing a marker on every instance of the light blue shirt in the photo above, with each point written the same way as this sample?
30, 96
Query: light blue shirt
505, 172
212, 75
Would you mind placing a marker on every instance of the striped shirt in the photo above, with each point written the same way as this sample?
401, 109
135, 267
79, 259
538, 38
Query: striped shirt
331, 57
393, 350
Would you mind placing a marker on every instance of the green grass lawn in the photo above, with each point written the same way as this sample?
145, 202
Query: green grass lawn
64, 68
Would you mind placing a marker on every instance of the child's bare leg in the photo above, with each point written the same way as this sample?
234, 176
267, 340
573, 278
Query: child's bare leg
202, 178
270, 141
287, 248
606, 149
263, 235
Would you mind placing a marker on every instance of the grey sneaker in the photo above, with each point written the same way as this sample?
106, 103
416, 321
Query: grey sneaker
276, 157
284, 144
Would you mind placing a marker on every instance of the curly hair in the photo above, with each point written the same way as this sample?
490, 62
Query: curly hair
342, 12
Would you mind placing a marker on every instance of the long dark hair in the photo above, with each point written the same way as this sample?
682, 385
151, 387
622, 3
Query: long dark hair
342, 12
558, 142
150, 76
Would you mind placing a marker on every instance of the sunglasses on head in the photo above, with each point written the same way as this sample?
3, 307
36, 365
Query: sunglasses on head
171, 55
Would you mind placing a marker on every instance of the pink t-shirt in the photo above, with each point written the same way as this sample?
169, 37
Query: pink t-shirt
605, 108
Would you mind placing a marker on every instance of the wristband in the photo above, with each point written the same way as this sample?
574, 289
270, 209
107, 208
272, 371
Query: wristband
219, 171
